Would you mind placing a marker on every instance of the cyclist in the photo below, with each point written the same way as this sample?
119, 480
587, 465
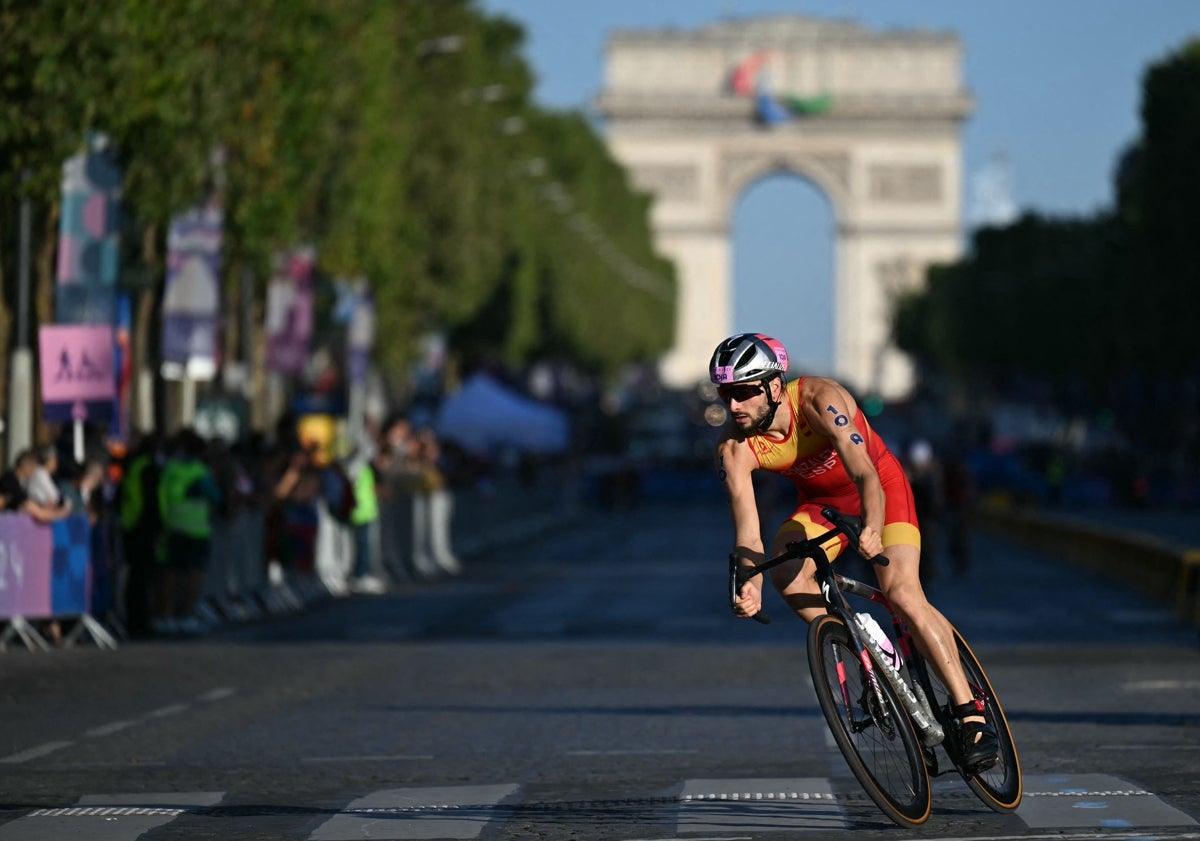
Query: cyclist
811, 431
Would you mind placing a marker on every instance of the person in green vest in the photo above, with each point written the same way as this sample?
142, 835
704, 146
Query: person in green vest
367, 476
187, 495
140, 527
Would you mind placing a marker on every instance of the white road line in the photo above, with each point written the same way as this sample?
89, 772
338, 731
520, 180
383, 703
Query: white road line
1067, 835
400, 757
408, 814
631, 752
1155, 748
169, 710
807, 803
709, 838
117, 726
35, 752
1161, 685
109, 729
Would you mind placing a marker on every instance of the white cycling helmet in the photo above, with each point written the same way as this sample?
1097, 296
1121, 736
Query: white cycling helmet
746, 357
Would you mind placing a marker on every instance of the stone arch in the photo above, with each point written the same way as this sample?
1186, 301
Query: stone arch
827, 173
884, 148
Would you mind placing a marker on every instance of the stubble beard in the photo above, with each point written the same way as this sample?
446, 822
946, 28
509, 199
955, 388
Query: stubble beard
748, 424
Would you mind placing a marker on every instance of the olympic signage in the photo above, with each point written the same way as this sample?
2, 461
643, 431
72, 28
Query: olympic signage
79, 381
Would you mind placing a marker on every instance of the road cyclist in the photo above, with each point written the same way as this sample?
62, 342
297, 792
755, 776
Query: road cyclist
811, 431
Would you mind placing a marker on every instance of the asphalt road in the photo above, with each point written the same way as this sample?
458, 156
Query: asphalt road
589, 684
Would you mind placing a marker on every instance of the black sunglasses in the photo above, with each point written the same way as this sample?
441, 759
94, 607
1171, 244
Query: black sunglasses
741, 392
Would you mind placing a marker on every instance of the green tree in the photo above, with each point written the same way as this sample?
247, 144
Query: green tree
396, 137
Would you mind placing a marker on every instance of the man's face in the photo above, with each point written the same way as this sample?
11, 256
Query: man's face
747, 403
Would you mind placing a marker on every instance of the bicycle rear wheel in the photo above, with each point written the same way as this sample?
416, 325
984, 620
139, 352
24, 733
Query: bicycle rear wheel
876, 738
999, 787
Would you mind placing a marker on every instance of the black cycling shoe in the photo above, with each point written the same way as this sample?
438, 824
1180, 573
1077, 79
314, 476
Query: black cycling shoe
978, 747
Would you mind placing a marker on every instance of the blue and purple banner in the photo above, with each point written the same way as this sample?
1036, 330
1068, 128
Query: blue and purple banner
88, 241
192, 296
356, 309
289, 316
45, 570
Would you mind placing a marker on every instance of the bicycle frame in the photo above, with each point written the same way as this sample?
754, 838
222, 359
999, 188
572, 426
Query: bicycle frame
833, 588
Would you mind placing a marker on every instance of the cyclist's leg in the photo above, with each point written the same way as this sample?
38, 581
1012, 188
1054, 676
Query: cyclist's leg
932, 634
794, 579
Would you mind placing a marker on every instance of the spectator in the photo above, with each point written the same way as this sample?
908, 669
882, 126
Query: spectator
141, 523
435, 504
925, 477
42, 486
292, 518
82, 487
959, 483
364, 519
15, 498
398, 490
187, 495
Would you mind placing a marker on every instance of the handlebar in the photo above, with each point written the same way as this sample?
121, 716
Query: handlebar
849, 525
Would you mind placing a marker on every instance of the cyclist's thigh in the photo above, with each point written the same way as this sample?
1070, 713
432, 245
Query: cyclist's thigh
796, 577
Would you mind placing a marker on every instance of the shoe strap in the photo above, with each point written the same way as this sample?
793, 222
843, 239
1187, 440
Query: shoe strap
972, 707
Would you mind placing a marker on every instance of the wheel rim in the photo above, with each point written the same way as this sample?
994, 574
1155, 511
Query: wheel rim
873, 729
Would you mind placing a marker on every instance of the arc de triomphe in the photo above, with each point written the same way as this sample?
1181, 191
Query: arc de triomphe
873, 119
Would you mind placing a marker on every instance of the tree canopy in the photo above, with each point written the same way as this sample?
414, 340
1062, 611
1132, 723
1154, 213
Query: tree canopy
400, 139
1090, 299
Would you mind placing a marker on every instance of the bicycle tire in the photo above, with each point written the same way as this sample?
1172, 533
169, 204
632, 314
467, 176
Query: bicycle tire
998, 787
880, 745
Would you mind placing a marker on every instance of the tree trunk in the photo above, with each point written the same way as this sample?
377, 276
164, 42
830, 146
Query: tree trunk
5, 335
43, 306
140, 340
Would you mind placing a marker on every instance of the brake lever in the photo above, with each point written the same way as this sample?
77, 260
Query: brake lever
735, 589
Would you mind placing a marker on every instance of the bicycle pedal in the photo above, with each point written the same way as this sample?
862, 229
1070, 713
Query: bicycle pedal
974, 769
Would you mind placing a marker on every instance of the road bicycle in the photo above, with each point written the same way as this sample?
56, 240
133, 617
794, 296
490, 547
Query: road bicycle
889, 729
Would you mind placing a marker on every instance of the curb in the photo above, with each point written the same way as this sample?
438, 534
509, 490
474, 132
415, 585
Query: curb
1165, 571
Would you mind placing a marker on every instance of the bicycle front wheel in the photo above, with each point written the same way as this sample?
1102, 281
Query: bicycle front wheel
871, 728
999, 787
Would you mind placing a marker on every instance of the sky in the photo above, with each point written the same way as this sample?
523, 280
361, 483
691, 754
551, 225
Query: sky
1057, 92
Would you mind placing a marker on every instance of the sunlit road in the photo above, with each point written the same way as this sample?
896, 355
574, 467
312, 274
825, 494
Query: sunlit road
591, 684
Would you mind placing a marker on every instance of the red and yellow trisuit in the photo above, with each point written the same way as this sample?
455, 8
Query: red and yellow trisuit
809, 460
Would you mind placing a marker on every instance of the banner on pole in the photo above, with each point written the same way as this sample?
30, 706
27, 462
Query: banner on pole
289, 317
356, 309
77, 374
88, 242
192, 296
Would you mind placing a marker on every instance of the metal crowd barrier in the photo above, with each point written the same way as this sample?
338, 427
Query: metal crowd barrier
65, 570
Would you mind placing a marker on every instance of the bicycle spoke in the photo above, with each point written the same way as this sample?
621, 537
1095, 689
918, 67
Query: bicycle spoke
998, 787
871, 730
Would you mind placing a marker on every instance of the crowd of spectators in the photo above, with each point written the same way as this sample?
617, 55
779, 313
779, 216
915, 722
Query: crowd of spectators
162, 498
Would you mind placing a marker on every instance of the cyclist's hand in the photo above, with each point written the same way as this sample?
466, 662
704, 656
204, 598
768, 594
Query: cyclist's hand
749, 600
869, 543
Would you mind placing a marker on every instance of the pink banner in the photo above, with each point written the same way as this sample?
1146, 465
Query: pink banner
77, 363
289, 317
26, 549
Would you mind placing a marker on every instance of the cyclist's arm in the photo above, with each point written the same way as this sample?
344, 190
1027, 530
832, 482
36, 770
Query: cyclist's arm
831, 410
735, 465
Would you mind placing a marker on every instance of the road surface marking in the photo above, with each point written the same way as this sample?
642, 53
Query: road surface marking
35, 752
